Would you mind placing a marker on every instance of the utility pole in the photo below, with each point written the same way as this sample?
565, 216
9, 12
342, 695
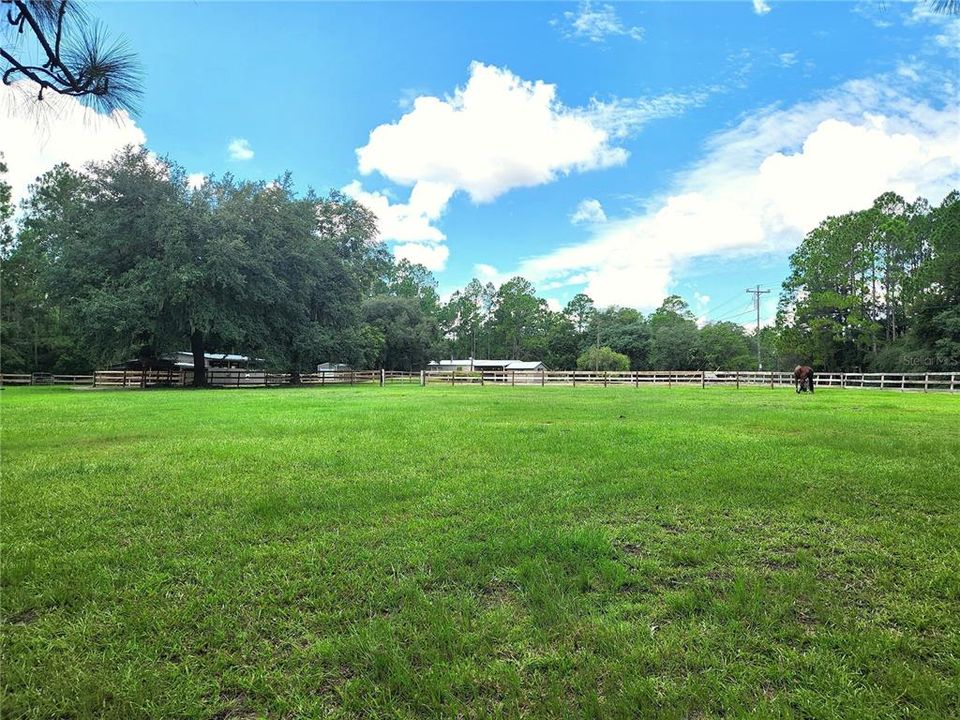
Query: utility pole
756, 299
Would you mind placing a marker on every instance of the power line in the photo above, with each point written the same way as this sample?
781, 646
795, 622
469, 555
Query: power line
716, 308
756, 295
726, 302
727, 318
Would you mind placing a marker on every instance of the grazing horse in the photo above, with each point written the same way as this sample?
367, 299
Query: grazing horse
803, 378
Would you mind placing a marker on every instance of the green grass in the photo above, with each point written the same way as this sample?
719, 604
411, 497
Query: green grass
480, 552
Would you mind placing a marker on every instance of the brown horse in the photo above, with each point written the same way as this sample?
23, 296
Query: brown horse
803, 378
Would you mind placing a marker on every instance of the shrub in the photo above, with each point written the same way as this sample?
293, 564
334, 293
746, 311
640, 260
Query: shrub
603, 358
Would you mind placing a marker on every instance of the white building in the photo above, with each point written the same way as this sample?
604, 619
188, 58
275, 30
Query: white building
184, 359
472, 365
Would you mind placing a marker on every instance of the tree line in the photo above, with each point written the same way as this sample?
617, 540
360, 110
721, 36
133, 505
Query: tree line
125, 260
877, 289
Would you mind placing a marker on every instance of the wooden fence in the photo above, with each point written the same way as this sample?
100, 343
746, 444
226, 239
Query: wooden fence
44, 379
229, 378
923, 382
919, 382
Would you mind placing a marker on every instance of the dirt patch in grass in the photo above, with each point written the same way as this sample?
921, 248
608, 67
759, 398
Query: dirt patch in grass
24, 617
497, 592
632, 548
236, 706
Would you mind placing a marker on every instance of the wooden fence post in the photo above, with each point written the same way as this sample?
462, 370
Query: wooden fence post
453, 376
543, 378
574, 378
423, 378
481, 379
903, 382
669, 379
738, 379
926, 381
124, 378
703, 379
771, 379
513, 378
353, 376
953, 380
383, 377
636, 379
604, 378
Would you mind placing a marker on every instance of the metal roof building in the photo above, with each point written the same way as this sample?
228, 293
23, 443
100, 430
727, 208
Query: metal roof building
490, 365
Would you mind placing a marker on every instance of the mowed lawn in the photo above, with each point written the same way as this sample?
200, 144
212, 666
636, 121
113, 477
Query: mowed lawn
480, 552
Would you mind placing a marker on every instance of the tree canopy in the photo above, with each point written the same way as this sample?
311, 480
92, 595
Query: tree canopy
123, 259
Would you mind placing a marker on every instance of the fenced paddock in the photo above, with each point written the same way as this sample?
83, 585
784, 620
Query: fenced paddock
452, 551
224, 378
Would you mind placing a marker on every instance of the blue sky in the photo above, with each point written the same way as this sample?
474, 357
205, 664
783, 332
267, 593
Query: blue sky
628, 150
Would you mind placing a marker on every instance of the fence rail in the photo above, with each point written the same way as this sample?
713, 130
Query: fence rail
218, 377
924, 382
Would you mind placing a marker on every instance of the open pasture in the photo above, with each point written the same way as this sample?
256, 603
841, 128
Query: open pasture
480, 552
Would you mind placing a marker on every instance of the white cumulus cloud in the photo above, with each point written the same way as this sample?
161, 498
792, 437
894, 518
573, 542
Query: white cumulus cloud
239, 149
496, 133
195, 180
36, 135
409, 221
588, 211
760, 7
762, 185
433, 257
486, 273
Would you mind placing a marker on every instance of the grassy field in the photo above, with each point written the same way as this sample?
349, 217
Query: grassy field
480, 552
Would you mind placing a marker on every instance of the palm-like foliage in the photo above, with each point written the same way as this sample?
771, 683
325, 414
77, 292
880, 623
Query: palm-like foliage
946, 7
67, 53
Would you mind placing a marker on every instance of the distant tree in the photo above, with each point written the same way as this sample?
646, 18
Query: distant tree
326, 260
623, 329
519, 319
33, 332
126, 260
724, 345
408, 333
562, 343
6, 209
580, 311
70, 54
935, 334
602, 358
674, 338
136, 264
674, 309
406, 279
856, 283
461, 320
675, 347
